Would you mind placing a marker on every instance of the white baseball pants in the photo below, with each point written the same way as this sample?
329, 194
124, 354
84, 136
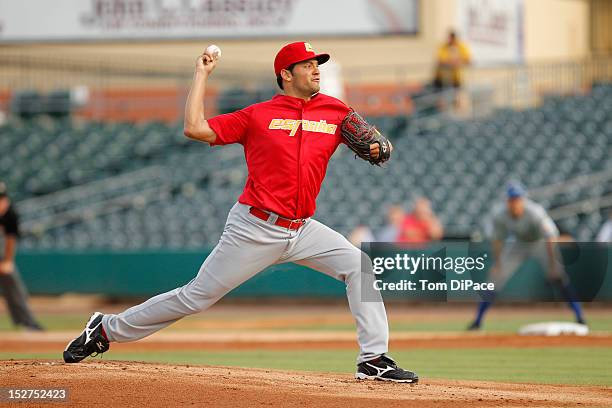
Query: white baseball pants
247, 246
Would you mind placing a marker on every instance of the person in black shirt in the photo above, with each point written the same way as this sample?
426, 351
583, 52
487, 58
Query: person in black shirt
12, 286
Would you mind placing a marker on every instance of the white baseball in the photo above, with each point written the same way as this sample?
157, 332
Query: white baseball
213, 50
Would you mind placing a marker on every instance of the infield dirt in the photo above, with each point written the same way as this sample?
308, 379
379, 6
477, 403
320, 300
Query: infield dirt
134, 384
23, 342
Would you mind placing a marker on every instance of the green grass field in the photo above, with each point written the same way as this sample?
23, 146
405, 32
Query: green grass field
494, 323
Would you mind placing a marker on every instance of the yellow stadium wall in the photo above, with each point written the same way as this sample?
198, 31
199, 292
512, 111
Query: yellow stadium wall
384, 66
554, 29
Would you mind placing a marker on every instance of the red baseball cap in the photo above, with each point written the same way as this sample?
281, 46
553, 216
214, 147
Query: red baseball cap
296, 52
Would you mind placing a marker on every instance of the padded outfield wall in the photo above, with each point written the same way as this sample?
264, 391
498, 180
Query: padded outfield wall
145, 273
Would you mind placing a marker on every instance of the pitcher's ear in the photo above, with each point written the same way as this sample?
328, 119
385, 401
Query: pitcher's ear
286, 75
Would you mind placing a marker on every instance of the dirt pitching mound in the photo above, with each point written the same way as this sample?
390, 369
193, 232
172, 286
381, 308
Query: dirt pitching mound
130, 384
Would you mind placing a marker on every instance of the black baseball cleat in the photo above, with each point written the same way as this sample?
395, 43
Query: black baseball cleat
33, 327
384, 368
474, 326
91, 341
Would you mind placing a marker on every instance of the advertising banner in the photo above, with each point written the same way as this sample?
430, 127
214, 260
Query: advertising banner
493, 30
68, 20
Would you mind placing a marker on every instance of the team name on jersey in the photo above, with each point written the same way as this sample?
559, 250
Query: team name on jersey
309, 125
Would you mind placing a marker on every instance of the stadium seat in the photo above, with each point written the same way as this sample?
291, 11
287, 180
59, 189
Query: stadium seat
462, 166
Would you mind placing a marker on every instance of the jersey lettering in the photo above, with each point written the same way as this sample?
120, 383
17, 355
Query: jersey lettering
309, 125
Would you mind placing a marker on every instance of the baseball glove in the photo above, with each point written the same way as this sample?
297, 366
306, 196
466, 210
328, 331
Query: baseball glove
359, 135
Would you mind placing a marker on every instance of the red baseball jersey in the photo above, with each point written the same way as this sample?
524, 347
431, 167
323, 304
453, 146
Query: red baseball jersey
287, 144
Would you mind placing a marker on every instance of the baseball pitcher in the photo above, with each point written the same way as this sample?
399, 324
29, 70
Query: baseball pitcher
288, 142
